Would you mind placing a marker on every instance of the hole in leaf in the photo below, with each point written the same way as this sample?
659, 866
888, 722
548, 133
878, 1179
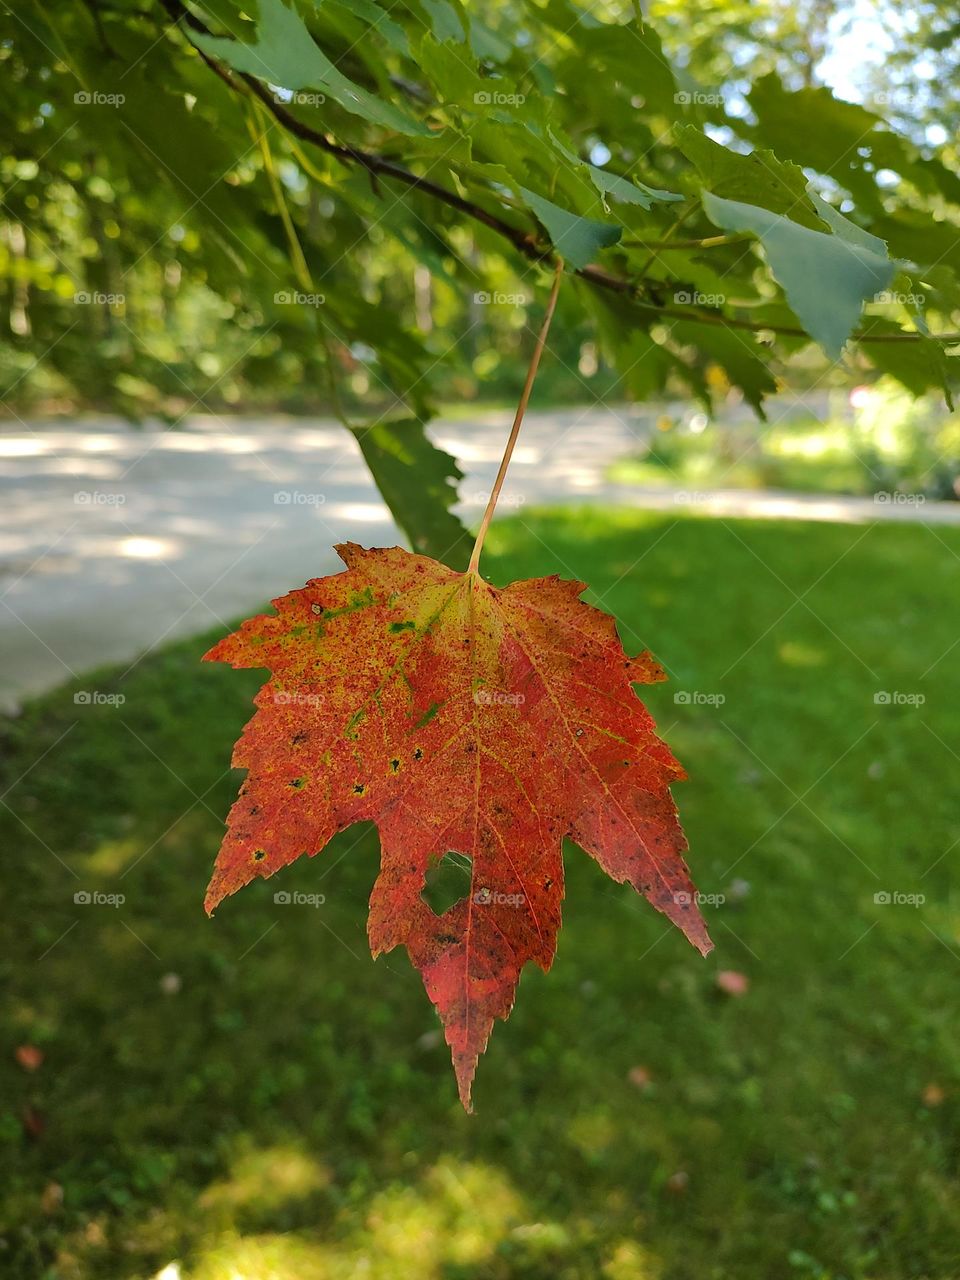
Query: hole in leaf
447, 882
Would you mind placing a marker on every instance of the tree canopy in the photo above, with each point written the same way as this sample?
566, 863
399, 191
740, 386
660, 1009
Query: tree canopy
359, 204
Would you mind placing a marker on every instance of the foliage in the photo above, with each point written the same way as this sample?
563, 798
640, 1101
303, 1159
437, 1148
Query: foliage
355, 195
892, 445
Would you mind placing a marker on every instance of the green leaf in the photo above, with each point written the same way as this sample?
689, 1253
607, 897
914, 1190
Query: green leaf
286, 55
611, 184
756, 178
576, 239
418, 482
366, 11
843, 227
920, 366
826, 278
451, 71
448, 21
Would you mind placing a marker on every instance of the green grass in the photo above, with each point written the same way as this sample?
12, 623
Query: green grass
290, 1113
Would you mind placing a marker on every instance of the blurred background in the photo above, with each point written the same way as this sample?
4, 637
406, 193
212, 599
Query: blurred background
252, 1097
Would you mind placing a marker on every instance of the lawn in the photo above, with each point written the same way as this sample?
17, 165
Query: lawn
253, 1098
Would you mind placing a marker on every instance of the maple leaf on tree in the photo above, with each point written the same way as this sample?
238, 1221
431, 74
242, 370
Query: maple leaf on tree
460, 718
464, 718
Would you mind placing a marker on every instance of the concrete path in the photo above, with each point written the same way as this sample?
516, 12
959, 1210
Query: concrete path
113, 539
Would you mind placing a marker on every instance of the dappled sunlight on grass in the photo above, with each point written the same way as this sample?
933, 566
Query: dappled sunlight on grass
265, 1180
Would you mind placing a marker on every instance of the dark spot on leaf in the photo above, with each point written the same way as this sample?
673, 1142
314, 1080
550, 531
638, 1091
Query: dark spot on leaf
395, 765
259, 855
298, 783
418, 754
358, 788
299, 737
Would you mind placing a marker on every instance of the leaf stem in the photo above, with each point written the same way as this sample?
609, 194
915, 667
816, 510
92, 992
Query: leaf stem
518, 419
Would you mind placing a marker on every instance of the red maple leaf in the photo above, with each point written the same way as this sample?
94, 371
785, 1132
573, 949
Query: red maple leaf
463, 718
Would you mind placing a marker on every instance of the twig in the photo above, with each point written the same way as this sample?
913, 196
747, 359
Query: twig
518, 419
